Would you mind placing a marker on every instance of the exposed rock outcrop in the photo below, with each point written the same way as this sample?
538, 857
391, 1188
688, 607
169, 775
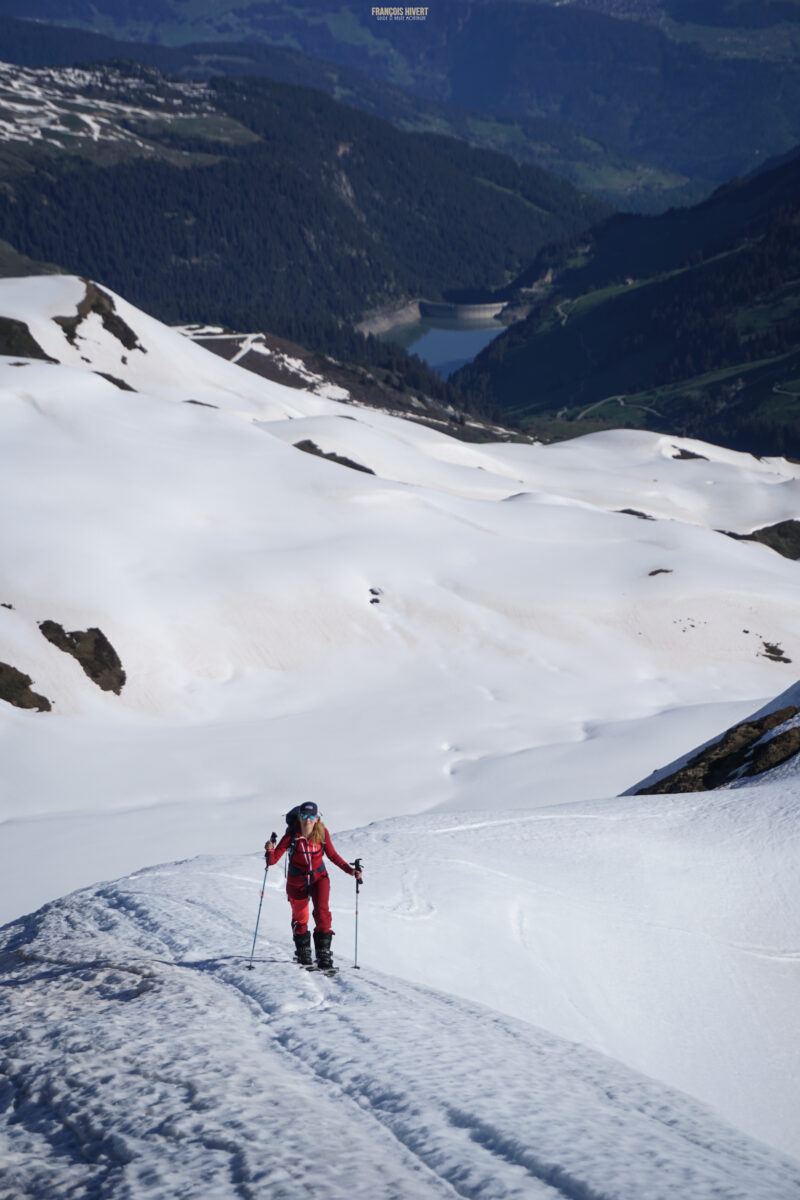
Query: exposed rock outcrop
783, 538
94, 652
17, 339
120, 383
747, 749
312, 448
98, 301
15, 688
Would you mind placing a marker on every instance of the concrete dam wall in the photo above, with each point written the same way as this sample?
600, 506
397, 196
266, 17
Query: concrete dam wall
461, 312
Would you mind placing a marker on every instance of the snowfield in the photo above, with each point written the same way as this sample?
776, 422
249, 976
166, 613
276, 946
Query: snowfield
144, 1059
472, 626
455, 656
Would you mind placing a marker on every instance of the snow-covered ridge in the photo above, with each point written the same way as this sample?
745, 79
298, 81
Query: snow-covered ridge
285, 362
142, 1057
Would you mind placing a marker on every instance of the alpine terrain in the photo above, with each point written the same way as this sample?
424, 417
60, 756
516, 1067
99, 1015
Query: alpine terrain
221, 596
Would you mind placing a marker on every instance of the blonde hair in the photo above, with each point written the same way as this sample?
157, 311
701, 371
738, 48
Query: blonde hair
317, 833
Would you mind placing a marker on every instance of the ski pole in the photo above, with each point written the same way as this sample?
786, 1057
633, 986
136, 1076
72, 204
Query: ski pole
357, 865
272, 838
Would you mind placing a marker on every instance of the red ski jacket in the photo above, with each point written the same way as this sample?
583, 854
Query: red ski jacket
306, 864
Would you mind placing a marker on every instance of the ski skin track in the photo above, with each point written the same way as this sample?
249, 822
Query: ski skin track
552, 1175
410, 1127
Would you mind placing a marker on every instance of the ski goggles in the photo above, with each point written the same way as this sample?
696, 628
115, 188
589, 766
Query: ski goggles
308, 816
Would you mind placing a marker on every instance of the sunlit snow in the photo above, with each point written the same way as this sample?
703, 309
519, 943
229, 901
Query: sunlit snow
461, 653
144, 1059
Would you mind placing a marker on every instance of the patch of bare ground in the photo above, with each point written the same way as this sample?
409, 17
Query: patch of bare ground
312, 448
120, 383
773, 652
98, 301
374, 387
741, 751
93, 651
17, 340
15, 688
784, 538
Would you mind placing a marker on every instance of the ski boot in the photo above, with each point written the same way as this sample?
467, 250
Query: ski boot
302, 949
322, 947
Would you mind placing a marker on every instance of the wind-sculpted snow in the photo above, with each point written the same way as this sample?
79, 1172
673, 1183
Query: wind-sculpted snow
661, 930
142, 1059
529, 643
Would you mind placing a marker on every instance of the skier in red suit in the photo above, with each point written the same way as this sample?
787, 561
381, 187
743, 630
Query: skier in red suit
307, 841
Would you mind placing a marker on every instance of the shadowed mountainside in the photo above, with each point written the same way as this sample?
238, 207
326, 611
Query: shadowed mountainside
687, 322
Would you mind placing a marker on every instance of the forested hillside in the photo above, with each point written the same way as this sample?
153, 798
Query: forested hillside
688, 322
591, 164
327, 213
677, 104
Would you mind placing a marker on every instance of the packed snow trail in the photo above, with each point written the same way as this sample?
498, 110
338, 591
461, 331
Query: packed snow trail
142, 1059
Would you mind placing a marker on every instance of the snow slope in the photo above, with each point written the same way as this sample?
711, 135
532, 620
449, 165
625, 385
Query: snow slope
142, 1059
472, 626
459, 652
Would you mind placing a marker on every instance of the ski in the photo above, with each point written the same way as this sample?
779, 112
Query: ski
321, 970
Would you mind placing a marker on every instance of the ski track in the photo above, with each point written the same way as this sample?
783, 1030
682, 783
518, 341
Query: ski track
228, 1075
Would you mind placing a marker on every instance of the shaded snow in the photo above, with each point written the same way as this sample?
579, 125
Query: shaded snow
144, 1059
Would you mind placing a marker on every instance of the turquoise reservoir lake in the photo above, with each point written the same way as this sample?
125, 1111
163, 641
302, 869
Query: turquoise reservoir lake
445, 343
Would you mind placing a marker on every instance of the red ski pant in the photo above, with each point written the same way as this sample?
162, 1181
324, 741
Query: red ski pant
299, 898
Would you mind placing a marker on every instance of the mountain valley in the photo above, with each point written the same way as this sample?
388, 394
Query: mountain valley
687, 321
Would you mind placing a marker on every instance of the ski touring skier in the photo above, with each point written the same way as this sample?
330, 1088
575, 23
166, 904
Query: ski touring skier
308, 842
